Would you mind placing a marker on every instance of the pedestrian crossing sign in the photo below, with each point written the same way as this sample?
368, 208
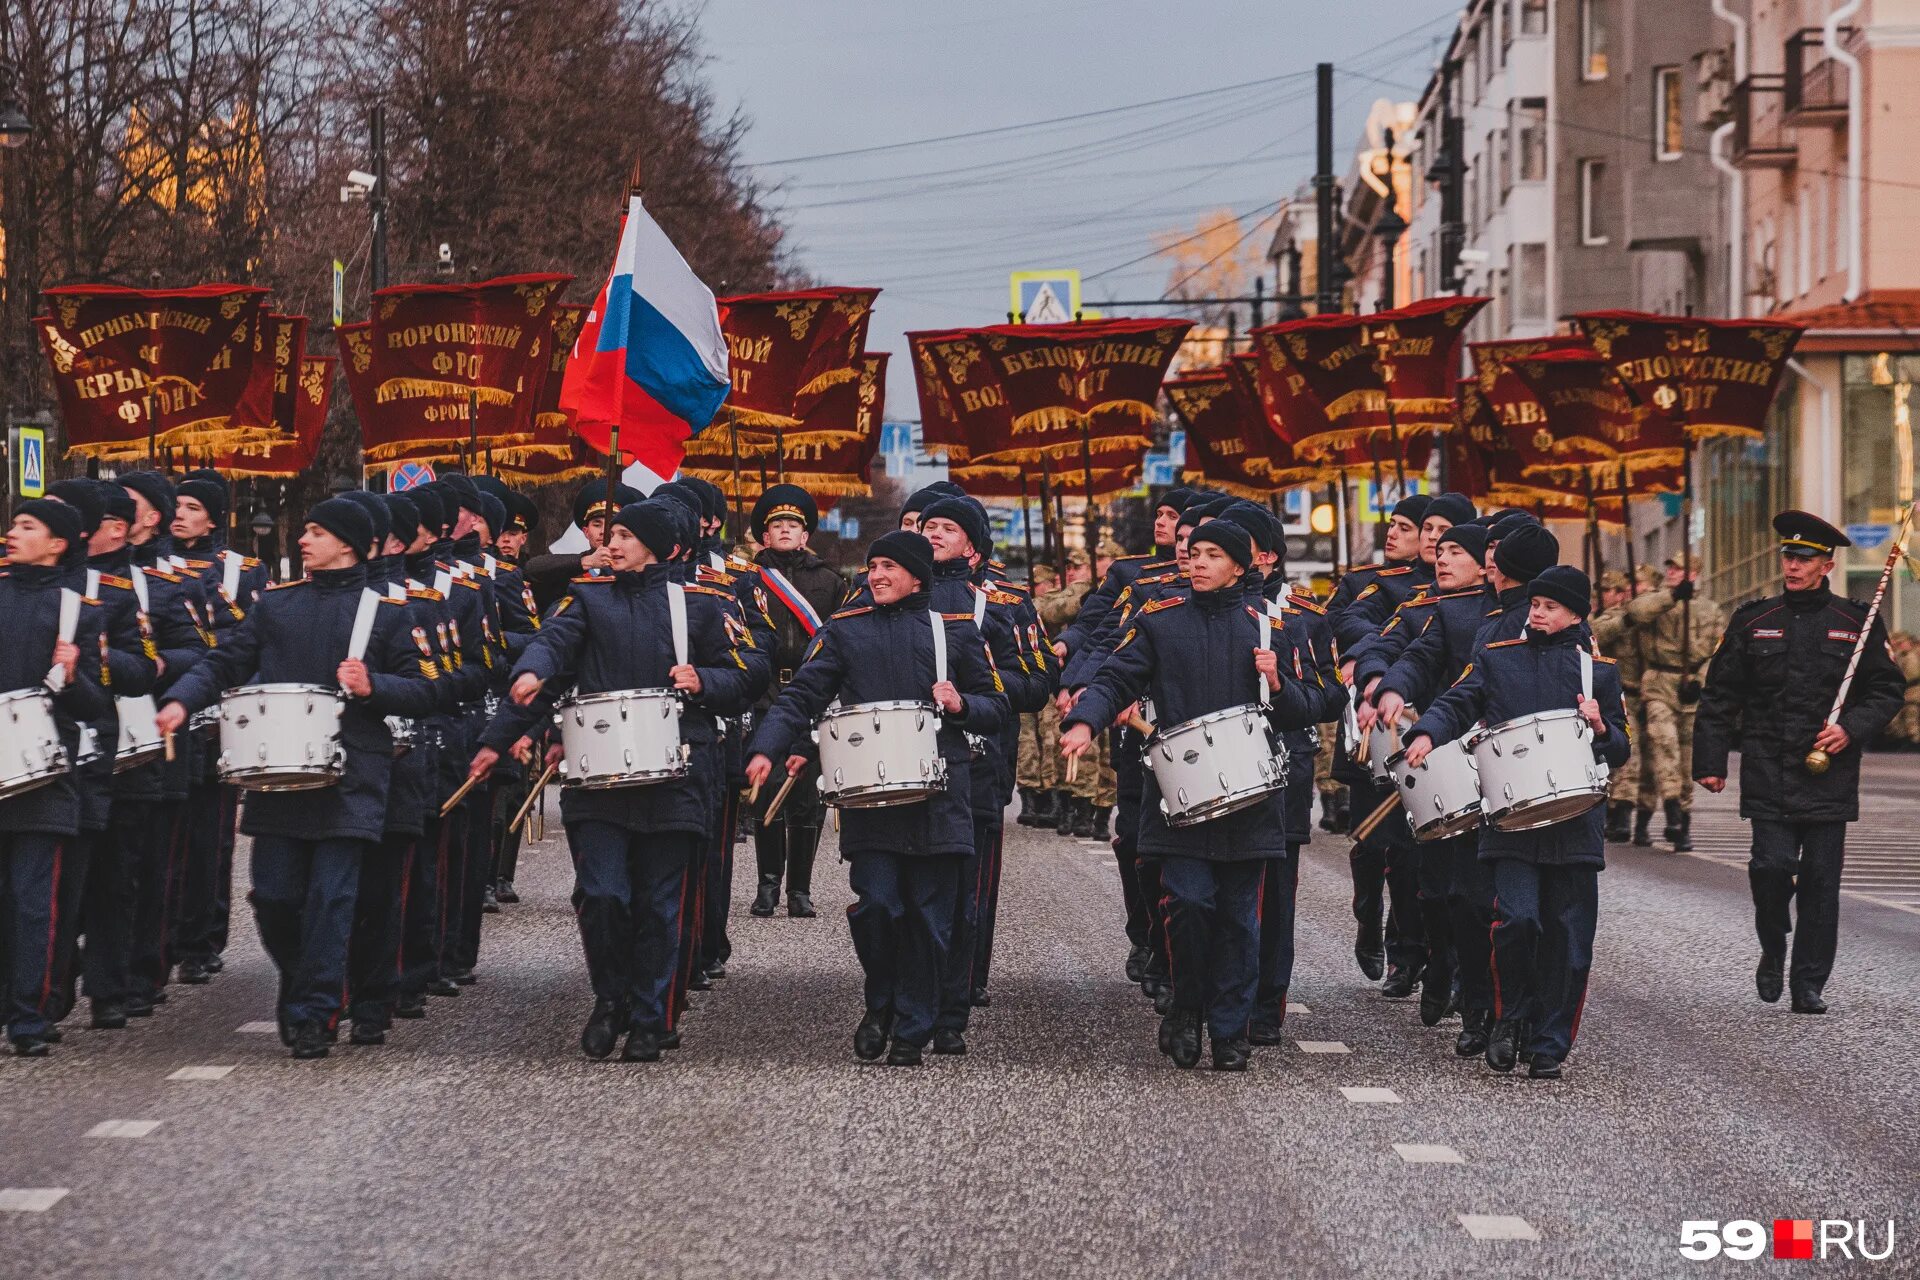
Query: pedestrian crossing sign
32, 452
1045, 297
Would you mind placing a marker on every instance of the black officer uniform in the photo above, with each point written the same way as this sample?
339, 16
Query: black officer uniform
796, 591
906, 858
1194, 655
39, 826
1769, 690
308, 845
1545, 880
633, 847
549, 575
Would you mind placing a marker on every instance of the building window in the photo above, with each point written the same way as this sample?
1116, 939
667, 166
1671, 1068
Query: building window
1669, 119
1595, 36
1593, 195
1533, 17
1530, 283
1530, 140
1503, 148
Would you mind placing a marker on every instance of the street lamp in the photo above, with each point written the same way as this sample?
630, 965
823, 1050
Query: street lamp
1390, 226
15, 128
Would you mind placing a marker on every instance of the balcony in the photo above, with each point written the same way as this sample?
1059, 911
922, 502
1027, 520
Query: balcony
1760, 137
1815, 91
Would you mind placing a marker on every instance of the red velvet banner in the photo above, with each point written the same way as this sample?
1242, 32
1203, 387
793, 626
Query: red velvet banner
830, 453
1220, 449
1278, 461
307, 397
1716, 377
1417, 349
783, 347
1338, 371
181, 363
941, 434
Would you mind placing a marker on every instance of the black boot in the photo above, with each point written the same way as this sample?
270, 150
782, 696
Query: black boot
1371, 952
1342, 813
1472, 1040
1676, 820
1503, 1045
1642, 828
870, 1037
1045, 811
1137, 959
802, 842
1028, 806
1231, 1055
602, 1030
768, 899
1063, 813
1400, 983
1683, 839
1182, 1038
1770, 977
1436, 996
1619, 820
1101, 814
1083, 817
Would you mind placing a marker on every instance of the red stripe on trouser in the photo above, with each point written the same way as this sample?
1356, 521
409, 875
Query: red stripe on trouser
1166, 911
1573, 1032
1493, 958
673, 982
53, 931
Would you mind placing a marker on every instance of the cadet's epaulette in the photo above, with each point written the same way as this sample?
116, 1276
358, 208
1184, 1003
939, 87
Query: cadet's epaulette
1310, 605
740, 564
1462, 594
1157, 564
1388, 573
1145, 581
120, 584
1419, 602
161, 574
1502, 644
958, 617
709, 591
1367, 568
282, 586
470, 583
249, 562
588, 577
199, 564
1164, 602
1609, 661
387, 599
424, 593
89, 600
857, 610
1142, 556
707, 573
997, 596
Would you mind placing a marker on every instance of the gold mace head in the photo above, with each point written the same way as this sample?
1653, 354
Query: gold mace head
1817, 762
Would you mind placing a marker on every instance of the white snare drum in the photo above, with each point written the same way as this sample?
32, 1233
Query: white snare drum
1383, 743
1442, 794
626, 738
401, 730
1215, 764
140, 739
876, 754
281, 737
30, 751
1537, 770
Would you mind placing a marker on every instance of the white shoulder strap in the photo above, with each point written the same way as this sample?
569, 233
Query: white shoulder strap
363, 625
443, 581
980, 607
490, 565
69, 623
939, 646
140, 589
230, 574
93, 584
1586, 674
1264, 641
677, 616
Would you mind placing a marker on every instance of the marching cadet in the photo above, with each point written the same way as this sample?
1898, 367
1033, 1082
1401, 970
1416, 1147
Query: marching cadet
1673, 666
958, 531
1545, 880
1769, 692
518, 617
111, 904
40, 825
1427, 650
308, 846
549, 574
633, 847
1205, 651
906, 858
796, 590
1102, 599
1037, 774
1081, 807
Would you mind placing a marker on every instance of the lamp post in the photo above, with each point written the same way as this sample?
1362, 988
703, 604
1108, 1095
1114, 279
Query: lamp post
1390, 226
15, 131
15, 128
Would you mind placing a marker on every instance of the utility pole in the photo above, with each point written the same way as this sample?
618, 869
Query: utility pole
1327, 296
1449, 171
1390, 227
377, 201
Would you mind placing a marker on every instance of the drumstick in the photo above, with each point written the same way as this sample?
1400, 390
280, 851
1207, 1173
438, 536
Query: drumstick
1139, 725
780, 795
532, 795
753, 794
1375, 818
473, 780
1073, 765
168, 740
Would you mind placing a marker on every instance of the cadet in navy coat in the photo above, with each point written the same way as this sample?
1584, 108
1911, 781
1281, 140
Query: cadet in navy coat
1545, 880
632, 845
308, 845
905, 857
1205, 652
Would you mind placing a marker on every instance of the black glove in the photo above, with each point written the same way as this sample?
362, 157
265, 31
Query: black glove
1689, 691
1683, 590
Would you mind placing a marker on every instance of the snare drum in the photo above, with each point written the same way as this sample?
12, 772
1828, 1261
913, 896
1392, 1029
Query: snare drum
1215, 764
1442, 794
1538, 770
30, 751
876, 754
401, 730
627, 738
281, 737
1383, 743
140, 738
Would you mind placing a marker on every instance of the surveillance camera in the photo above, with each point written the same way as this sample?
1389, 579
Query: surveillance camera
361, 178
1475, 257
446, 254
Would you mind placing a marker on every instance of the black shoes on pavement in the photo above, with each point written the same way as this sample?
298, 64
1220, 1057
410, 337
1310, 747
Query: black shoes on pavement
602, 1029
1770, 977
870, 1037
768, 899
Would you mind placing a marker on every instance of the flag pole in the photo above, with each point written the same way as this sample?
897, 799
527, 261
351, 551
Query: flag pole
733, 436
1626, 519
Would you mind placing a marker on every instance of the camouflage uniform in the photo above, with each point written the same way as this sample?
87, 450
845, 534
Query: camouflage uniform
1035, 768
1656, 623
1634, 785
1906, 725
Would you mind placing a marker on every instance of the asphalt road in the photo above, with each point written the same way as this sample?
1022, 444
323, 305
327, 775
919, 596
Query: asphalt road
480, 1142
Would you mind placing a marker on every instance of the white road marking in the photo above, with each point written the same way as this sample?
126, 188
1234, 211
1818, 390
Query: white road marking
258, 1028
1322, 1046
1497, 1226
201, 1073
1366, 1094
1428, 1153
123, 1128
30, 1199
1300, 1009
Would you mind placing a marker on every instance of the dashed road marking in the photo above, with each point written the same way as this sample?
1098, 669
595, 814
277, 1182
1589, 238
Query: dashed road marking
1428, 1153
1300, 1009
1497, 1226
1354, 1093
123, 1128
1322, 1046
201, 1073
258, 1028
30, 1199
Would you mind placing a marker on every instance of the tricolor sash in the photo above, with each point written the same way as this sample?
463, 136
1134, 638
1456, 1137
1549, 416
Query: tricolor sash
789, 595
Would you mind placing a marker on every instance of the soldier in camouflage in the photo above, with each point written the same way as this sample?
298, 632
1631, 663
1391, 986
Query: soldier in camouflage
1632, 787
1037, 762
1673, 670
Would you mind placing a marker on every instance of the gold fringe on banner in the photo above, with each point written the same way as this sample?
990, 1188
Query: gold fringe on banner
1317, 446
1060, 417
1067, 452
1657, 460
1722, 430
748, 418
1435, 413
1253, 493
430, 389
831, 378
838, 485
219, 437
1288, 477
510, 448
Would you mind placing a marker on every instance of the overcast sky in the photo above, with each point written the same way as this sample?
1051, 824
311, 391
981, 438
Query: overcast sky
938, 225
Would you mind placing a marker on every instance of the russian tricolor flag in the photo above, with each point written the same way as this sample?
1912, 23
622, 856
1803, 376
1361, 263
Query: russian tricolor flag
651, 358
